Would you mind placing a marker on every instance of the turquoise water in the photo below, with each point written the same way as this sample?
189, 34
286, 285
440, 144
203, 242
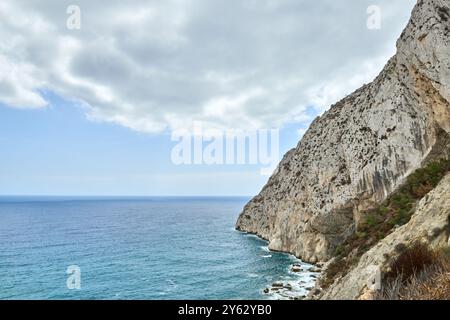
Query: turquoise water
135, 248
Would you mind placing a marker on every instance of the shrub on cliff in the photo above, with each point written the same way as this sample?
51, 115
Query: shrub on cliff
382, 220
418, 273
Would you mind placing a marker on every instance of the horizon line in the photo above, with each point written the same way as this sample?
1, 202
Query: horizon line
124, 196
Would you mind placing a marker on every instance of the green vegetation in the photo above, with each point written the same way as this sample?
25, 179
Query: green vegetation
380, 221
399, 207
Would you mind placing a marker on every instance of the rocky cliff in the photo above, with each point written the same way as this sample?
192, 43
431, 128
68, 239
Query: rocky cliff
356, 154
430, 224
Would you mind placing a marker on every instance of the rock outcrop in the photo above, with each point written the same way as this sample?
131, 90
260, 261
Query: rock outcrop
430, 224
362, 148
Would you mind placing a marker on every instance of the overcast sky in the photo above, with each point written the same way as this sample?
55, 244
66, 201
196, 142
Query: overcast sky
155, 66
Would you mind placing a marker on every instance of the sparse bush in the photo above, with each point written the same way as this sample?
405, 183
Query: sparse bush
412, 261
360, 234
371, 220
339, 250
418, 274
380, 221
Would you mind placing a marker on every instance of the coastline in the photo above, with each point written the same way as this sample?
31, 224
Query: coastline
305, 275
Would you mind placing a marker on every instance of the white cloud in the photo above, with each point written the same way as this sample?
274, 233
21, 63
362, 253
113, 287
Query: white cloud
156, 65
18, 84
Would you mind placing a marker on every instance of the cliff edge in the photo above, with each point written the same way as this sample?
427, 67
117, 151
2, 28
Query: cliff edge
362, 149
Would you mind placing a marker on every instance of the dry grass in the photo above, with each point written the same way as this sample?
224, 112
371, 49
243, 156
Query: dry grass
418, 274
412, 261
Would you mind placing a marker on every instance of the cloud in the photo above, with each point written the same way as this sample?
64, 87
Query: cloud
157, 65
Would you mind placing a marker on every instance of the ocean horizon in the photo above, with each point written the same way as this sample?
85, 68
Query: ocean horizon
145, 248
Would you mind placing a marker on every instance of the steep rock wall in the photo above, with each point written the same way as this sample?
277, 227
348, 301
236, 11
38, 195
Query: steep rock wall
360, 150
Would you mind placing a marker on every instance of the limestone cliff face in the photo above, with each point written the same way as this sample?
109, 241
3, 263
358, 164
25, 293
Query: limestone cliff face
360, 150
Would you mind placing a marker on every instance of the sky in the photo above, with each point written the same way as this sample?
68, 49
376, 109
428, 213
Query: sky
91, 109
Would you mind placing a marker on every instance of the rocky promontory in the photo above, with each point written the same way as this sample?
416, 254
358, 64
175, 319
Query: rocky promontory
360, 152
362, 148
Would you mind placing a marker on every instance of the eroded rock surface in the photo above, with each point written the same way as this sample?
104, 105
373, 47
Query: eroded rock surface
361, 150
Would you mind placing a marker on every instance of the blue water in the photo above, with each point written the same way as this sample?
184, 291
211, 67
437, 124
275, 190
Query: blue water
135, 248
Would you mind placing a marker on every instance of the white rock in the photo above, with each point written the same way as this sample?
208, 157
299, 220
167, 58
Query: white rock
362, 149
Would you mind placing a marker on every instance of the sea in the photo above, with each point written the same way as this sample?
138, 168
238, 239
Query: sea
121, 248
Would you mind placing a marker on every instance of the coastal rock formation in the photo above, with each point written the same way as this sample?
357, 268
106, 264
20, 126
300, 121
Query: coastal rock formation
430, 224
357, 153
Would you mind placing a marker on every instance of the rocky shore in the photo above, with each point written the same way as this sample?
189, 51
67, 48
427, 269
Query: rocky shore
298, 288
